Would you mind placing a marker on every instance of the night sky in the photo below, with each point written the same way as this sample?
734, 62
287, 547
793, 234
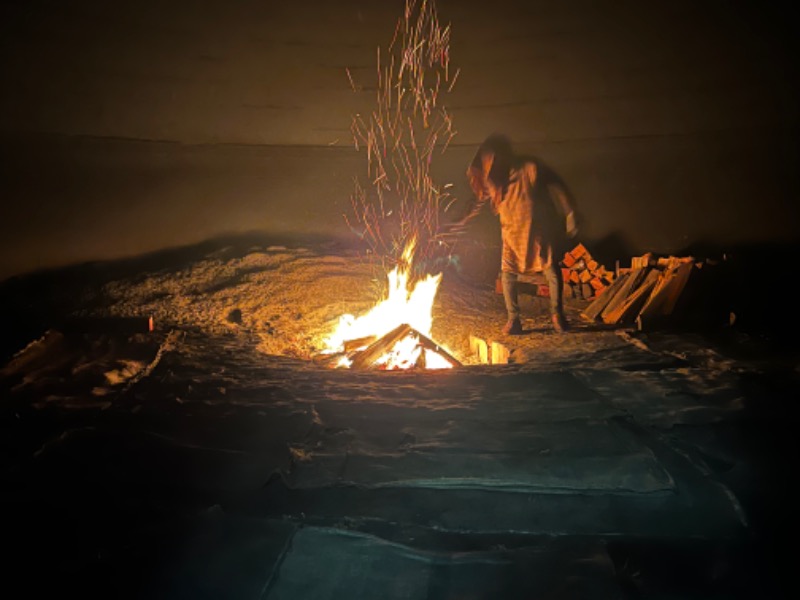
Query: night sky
131, 126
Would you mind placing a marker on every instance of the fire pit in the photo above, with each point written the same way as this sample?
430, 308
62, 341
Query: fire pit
395, 333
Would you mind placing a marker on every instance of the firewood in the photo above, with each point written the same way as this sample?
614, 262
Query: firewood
631, 283
479, 348
643, 261
676, 287
597, 284
656, 299
578, 251
661, 303
422, 361
500, 353
634, 300
328, 360
358, 343
428, 343
592, 312
379, 347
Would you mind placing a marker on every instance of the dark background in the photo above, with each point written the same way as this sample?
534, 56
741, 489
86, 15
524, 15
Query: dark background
131, 126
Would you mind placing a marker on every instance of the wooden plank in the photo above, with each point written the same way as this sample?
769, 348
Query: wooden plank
640, 262
479, 349
676, 288
358, 343
592, 312
633, 301
379, 347
656, 298
328, 360
631, 283
500, 354
661, 304
429, 344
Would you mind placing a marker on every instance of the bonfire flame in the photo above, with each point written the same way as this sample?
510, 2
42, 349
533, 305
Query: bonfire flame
409, 122
403, 305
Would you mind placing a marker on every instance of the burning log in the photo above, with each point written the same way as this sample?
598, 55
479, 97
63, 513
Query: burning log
379, 347
429, 344
351, 346
368, 357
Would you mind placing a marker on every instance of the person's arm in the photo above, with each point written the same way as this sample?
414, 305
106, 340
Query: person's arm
564, 208
477, 183
481, 196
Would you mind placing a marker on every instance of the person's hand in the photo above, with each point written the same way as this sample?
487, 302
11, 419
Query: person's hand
572, 226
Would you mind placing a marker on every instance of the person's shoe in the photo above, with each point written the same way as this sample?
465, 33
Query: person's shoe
513, 327
560, 324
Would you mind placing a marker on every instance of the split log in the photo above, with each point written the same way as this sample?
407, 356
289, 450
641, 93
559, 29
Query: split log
479, 348
328, 360
579, 251
357, 343
379, 347
677, 286
592, 312
429, 344
500, 354
631, 283
663, 298
634, 300
367, 357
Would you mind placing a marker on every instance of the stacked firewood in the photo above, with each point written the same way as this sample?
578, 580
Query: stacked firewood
583, 276
644, 294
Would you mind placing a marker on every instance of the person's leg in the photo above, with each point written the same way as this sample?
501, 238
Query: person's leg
510, 294
555, 284
511, 297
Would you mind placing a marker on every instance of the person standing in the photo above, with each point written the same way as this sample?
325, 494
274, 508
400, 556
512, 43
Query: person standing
536, 220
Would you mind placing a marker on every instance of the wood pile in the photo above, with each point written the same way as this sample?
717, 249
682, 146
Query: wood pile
583, 276
646, 294
650, 293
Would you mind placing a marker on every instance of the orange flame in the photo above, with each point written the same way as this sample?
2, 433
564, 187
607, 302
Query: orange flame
402, 306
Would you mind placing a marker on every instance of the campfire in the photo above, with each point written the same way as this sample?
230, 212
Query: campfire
395, 333
408, 125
